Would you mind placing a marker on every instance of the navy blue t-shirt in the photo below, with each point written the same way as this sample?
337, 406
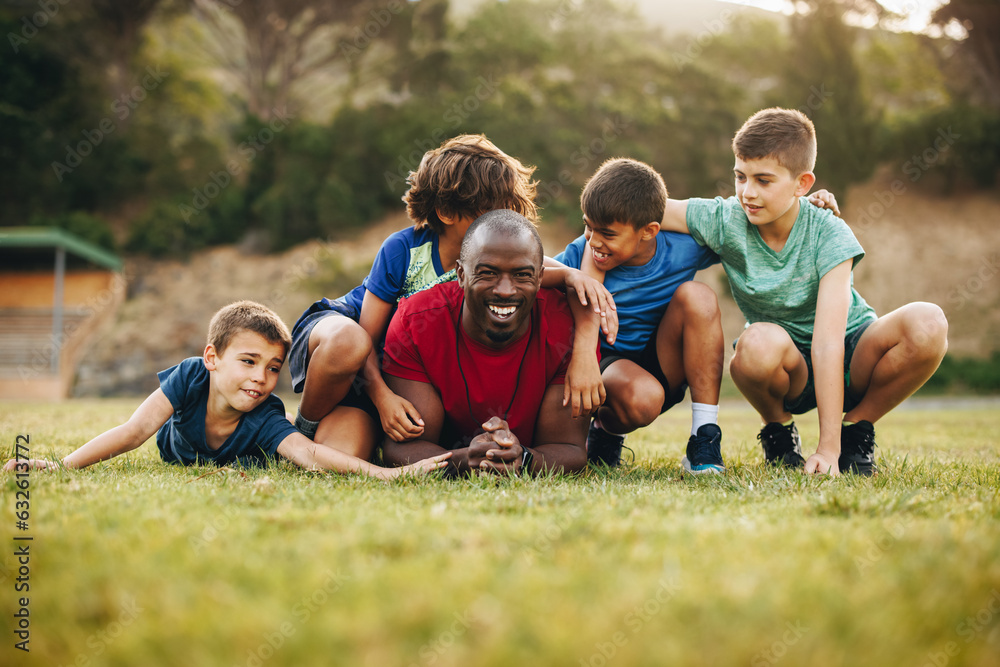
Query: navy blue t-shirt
642, 293
182, 439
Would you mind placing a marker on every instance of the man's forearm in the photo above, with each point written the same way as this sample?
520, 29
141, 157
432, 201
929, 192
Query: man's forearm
558, 458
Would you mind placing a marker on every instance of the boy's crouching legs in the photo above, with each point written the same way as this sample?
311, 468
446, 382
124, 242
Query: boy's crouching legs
768, 368
895, 356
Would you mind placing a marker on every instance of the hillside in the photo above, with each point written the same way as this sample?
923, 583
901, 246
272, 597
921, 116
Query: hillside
919, 247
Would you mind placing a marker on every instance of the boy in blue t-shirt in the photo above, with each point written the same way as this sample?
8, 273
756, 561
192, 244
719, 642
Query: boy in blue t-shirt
811, 340
669, 327
334, 358
218, 407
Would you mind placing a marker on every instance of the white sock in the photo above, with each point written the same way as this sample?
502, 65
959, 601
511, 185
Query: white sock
701, 414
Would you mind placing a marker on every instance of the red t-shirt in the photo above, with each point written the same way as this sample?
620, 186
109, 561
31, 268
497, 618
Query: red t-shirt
420, 345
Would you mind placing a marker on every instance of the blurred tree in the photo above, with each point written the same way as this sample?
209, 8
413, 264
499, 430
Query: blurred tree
271, 49
825, 81
980, 20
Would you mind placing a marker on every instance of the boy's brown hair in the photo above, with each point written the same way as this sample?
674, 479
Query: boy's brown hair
246, 316
787, 135
468, 175
626, 191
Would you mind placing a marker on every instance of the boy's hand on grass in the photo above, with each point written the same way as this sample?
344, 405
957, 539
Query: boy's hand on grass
583, 387
822, 464
825, 199
419, 468
400, 420
29, 464
593, 293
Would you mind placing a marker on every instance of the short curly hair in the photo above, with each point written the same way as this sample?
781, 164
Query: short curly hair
468, 176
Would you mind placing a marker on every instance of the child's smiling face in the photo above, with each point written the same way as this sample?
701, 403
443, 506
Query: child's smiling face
247, 371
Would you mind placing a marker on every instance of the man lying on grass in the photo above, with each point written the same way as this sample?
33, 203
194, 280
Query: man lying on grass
218, 408
484, 360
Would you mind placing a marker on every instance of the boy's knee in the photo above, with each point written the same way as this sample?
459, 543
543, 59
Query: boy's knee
343, 350
927, 328
641, 404
698, 300
760, 350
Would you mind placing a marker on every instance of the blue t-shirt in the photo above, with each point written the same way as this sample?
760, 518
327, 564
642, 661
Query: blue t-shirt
182, 438
407, 262
642, 293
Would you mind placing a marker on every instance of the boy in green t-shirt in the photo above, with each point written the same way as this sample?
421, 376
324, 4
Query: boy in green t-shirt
811, 340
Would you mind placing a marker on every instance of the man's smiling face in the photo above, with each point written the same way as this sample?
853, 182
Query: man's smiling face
501, 277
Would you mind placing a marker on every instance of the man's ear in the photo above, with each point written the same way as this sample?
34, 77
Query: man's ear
650, 230
460, 272
209, 357
805, 183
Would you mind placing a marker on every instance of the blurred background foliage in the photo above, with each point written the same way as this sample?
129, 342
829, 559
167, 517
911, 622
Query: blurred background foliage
164, 126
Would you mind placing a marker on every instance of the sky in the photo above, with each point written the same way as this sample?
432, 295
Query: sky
917, 12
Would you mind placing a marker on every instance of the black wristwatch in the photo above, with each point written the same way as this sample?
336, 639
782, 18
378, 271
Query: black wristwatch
527, 457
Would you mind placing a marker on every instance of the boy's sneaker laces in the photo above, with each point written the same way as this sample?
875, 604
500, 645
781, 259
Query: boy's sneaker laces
782, 445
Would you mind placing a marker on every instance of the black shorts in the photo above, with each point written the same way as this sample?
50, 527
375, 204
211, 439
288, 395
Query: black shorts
806, 401
298, 355
649, 362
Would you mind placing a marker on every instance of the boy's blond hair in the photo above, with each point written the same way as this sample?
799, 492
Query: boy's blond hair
247, 316
787, 135
468, 176
626, 191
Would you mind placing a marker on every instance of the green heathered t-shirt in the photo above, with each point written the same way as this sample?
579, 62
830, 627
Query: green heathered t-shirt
779, 287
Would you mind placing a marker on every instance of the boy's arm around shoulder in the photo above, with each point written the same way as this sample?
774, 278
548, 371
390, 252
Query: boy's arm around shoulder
141, 426
675, 216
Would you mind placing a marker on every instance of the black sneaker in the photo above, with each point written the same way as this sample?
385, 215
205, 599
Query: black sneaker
603, 447
782, 445
704, 451
857, 449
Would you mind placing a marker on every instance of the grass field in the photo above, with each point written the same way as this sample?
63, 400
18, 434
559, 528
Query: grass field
134, 562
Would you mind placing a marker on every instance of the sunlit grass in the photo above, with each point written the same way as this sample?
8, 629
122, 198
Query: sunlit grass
137, 562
